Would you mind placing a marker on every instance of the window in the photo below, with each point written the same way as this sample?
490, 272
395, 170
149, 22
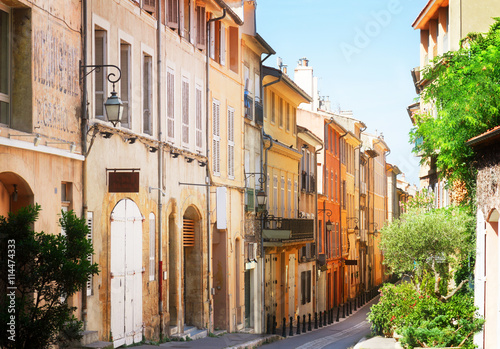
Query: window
305, 282
201, 27
327, 179
230, 142
199, 111
185, 111
294, 120
233, 49
125, 83
289, 198
100, 58
216, 137
332, 187
275, 194
173, 14
147, 94
149, 6
257, 88
4, 67
170, 105
152, 246
295, 199
343, 195
320, 237
336, 188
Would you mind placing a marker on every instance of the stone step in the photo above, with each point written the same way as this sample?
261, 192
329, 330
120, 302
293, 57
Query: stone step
89, 337
189, 331
99, 345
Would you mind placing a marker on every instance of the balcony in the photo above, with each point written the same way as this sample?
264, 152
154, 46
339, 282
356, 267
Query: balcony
259, 113
287, 231
248, 106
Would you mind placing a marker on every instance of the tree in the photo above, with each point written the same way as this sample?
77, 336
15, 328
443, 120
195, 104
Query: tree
463, 86
431, 242
40, 272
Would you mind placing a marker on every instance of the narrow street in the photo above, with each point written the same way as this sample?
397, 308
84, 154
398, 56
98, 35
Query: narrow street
340, 335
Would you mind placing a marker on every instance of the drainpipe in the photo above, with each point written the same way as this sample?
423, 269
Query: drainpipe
84, 126
160, 172
207, 141
262, 252
316, 215
340, 215
324, 186
263, 260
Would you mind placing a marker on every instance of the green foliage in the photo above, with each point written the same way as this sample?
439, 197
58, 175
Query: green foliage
49, 268
422, 319
422, 241
465, 91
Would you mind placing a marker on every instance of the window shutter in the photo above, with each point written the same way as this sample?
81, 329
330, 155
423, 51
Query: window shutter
185, 111
100, 76
125, 83
149, 5
212, 40
296, 197
146, 92
216, 136
199, 132
200, 27
173, 14
188, 233
303, 288
249, 199
90, 219
289, 198
308, 283
222, 44
230, 143
170, 105
282, 201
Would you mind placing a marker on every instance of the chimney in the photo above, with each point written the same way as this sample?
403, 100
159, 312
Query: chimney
303, 77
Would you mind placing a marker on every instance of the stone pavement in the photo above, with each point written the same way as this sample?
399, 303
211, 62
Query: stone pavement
229, 340
378, 343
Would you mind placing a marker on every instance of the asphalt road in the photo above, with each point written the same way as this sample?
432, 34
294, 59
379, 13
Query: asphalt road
341, 335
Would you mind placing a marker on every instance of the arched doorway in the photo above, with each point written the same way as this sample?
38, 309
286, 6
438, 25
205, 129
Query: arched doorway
15, 193
126, 273
192, 268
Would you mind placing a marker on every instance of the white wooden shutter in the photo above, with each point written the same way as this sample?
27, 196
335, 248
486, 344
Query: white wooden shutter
90, 224
212, 40
216, 136
199, 126
170, 104
282, 201
295, 198
289, 201
200, 27
173, 14
185, 111
152, 246
230, 142
275, 195
222, 44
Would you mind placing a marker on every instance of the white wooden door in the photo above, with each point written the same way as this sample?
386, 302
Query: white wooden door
126, 273
291, 285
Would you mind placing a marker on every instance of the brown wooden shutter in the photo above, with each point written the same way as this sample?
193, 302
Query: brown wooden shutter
149, 5
173, 14
188, 232
200, 27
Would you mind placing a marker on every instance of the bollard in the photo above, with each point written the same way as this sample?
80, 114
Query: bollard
298, 324
320, 319
330, 312
268, 323
283, 328
315, 320
338, 314
291, 327
304, 323
343, 311
355, 304
324, 318
274, 324
309, 327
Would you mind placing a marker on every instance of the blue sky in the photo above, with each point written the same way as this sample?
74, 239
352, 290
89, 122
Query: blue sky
362, 51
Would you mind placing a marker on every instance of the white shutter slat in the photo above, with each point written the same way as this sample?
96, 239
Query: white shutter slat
170, 105
199, 130
185, 112
222, 44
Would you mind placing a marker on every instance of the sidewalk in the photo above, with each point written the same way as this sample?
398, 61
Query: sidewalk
229, 340
378, 343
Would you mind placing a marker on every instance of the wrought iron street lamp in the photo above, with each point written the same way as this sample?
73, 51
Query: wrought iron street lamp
113, 105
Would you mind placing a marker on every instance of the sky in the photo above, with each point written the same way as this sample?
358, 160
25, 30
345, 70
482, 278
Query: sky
362, 52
